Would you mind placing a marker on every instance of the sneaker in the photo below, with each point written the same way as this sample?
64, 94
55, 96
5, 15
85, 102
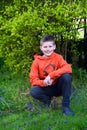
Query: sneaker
67, 111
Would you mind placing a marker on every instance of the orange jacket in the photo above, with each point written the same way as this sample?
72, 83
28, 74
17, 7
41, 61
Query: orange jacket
54, 66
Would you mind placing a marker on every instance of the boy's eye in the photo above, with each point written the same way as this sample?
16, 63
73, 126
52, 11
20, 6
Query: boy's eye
46, 46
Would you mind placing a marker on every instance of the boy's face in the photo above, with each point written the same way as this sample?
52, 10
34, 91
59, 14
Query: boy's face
47, 48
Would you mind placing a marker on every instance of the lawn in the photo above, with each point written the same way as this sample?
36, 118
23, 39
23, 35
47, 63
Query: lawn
14, 94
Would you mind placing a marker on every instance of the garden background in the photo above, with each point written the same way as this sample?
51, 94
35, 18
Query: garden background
22, 24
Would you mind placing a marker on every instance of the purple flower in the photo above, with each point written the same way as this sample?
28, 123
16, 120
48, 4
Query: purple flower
58, 122
29, 104
35, 122
5, 124
19, 128
1, 97
15, 124
50, 127
30, 107
66, 121
49, 116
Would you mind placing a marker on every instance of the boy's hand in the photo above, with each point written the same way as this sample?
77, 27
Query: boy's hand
48, 81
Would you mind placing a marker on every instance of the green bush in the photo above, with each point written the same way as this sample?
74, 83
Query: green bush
1, 62
22, 26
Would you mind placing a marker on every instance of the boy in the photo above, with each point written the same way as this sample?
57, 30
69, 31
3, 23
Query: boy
51, 75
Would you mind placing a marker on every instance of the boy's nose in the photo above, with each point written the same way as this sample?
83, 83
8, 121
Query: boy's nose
48, 48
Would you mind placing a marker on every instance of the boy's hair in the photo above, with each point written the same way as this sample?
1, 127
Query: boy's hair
47, 38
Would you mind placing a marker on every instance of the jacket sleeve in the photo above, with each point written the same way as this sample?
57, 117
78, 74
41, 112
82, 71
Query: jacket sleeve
63, 67
34, 75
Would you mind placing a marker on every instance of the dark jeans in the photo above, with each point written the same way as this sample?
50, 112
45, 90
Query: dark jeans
62, 87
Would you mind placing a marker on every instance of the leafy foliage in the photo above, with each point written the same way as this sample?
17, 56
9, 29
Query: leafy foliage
23, 24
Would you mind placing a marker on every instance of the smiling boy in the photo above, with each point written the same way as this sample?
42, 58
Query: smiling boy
51, 76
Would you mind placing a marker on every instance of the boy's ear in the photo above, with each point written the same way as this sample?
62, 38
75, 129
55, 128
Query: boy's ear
40, 47
54, 47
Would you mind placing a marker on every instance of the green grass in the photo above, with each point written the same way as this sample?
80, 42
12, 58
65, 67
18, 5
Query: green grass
13, 115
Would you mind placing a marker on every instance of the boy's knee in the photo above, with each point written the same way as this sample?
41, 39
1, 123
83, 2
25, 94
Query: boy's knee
35, 92
67, 77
